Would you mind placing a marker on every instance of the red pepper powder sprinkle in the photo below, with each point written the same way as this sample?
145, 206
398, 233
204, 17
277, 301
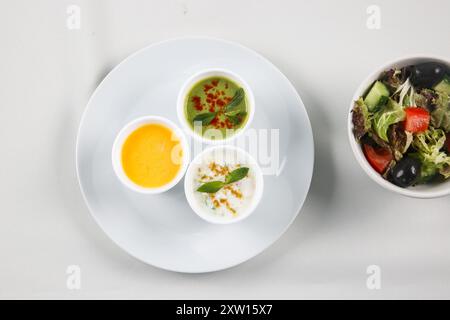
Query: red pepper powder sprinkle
197, 103
220, 103
215, 122
215, 102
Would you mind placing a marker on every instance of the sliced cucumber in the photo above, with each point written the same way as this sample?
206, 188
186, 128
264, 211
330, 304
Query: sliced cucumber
443, 85
377, 96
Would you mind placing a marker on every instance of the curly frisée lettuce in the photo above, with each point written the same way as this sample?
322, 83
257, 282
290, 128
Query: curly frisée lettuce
429, 147
405, 116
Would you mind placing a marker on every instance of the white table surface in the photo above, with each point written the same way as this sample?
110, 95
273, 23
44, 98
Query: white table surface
48, 72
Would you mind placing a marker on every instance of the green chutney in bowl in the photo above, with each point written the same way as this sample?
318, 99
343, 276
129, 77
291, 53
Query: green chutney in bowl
215, 105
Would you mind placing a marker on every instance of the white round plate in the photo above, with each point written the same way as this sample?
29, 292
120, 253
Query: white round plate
162, 230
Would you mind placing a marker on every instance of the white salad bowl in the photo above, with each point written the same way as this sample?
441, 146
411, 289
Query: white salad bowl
241, 156
120, 140
207, 73
420, 191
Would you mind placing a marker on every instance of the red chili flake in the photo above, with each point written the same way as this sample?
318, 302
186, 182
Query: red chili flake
210, 96
228, 124
220, 103
207, 87
214, 122
215, 82
197, 103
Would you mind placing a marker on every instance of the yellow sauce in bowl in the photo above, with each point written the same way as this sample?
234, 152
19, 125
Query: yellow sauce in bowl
152, 156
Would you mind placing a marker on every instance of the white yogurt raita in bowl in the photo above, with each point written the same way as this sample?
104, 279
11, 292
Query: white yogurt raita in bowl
223, 184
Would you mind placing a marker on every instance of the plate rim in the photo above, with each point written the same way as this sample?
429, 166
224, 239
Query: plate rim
229, 42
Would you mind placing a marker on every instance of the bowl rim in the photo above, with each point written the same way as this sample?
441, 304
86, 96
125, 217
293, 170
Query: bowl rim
120, 139
259, 190
205, 73
356, 147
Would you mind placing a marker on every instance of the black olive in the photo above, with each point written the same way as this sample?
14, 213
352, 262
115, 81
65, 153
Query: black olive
406, 172
426, 75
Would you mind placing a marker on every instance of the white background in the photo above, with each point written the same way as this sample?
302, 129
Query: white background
47, 73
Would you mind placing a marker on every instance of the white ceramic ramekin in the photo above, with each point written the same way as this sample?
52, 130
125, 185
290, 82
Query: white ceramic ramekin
126, 131
204, 74
241, 157
419, 191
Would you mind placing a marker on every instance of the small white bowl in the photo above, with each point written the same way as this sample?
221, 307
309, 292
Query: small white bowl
420, 191
240, 156
197, 77
120, 140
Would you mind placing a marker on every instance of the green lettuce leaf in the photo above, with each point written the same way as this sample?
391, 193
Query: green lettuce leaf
392, 113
